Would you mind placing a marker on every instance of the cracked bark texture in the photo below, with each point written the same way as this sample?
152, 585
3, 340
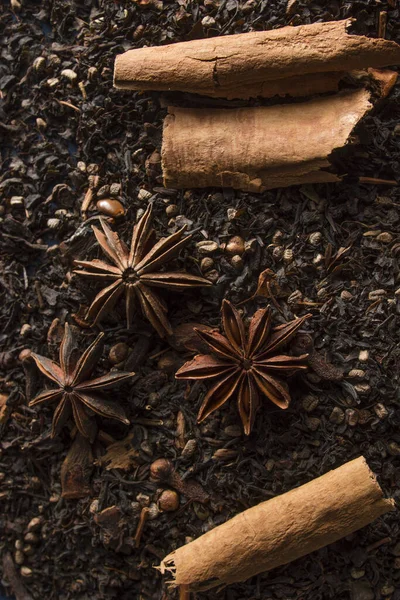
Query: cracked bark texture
282, 529
256, 149
262, 63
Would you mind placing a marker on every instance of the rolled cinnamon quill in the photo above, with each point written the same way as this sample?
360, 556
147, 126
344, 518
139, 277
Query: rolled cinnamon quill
259, 148
261, 63
281, 530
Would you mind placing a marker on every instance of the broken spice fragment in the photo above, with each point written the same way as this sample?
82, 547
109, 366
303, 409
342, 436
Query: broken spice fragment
77, 395
136, 271
281, 530
246, 366
303, 343
76, 469
120, 455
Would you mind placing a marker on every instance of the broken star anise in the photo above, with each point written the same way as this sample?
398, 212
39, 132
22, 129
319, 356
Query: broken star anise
136, 271
76, 394
245, 368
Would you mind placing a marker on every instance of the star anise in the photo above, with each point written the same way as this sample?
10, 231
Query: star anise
136, 271
245, 368
76, 394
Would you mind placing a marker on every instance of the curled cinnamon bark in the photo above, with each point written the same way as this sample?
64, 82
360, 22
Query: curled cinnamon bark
280, 530
256, 149
262, 63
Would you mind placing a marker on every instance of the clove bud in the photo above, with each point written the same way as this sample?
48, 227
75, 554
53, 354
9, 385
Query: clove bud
162, 471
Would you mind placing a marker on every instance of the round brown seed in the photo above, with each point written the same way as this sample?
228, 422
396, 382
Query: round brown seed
168, 501
111, 208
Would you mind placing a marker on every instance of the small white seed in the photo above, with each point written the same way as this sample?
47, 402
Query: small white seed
17, 201
69, 74
25, 329
357, 374
34, 524
206, 264
53, 223
154, 511
144, 195
381, 411
277, 237
237, 262
371, 233
92, 73
189, 449
207, 247
288, 255
315, 238
143, 499
346, 295
39, 63
41, 124
377, 295
384, 237
26, 572
171, 210
53, 82
235, 245
208, 21
362, 388
351, 417
310, 402
115, 189
317, 260
337, 416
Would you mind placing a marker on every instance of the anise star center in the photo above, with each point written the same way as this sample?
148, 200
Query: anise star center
130, 276
246, 364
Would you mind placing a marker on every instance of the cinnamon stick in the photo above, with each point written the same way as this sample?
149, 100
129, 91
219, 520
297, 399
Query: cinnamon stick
256, 149
282, 529
261, 63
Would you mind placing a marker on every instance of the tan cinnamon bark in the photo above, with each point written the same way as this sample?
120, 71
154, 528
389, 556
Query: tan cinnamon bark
256, 149
257, 63
282, 529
